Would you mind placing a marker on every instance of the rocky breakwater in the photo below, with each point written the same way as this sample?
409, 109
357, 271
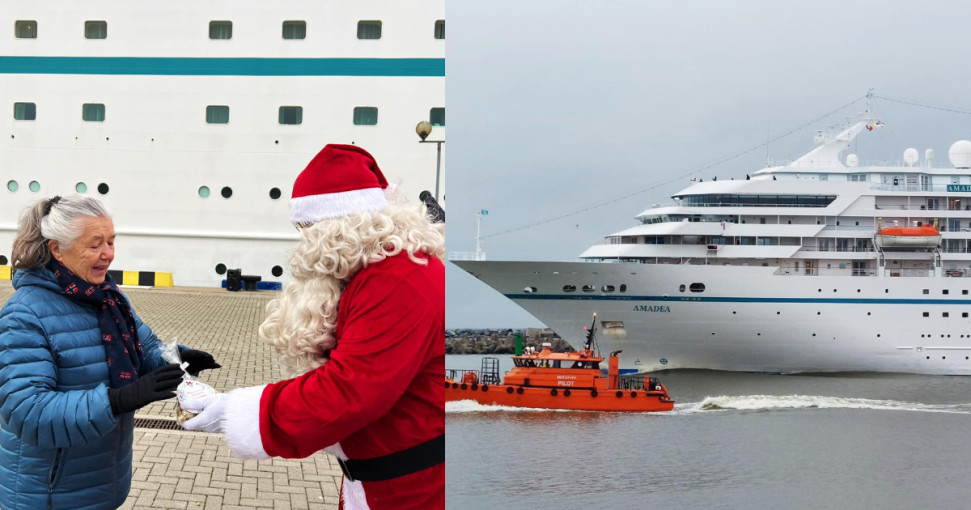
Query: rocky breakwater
500, 341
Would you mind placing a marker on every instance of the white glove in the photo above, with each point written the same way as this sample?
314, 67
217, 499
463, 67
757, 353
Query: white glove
212, 415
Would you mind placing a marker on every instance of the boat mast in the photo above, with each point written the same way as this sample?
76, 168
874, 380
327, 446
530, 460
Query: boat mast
591, 335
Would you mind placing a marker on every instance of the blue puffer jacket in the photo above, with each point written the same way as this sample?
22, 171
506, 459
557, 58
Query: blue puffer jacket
60, 445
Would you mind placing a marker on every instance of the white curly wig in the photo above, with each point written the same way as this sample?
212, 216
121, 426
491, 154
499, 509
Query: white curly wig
300, 324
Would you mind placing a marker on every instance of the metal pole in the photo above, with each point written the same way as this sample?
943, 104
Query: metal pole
477, 249
438, 168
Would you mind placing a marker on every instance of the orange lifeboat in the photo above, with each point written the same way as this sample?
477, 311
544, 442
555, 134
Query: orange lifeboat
558, 380
925, 236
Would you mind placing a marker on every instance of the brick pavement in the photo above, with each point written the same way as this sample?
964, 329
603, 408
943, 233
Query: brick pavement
193, 470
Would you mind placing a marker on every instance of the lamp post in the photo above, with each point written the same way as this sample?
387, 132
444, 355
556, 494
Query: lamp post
424, 128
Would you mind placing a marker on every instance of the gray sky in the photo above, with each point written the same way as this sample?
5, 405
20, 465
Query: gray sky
556, 106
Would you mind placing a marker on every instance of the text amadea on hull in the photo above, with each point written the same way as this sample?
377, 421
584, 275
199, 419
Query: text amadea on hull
819, 265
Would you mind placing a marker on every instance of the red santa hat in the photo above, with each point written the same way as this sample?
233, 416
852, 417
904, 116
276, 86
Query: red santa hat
340, 180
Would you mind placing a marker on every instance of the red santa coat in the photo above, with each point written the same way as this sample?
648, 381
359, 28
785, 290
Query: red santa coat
379, 393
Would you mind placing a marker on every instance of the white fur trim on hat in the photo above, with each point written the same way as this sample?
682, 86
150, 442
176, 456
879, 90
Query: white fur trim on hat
351, 492
242, 423
313, 208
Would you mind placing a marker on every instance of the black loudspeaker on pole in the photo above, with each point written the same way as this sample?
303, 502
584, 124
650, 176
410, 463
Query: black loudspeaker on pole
435, 212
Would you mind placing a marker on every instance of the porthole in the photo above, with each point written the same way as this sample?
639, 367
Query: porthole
529, 290
3, 260
569, 288
226, 192
34, 186
204, 191
275, 193
697, 287
623, 287
681, 288
12, 186
220, 268
606, 288
103, 188
277, 271
945, 291
588, 288
927, 314
81, 187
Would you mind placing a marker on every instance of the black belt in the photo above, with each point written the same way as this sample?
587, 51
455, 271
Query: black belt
393, 465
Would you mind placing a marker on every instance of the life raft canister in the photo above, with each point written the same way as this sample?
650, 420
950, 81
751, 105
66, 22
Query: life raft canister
470, 378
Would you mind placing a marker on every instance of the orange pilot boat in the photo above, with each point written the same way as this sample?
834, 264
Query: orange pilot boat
559, 380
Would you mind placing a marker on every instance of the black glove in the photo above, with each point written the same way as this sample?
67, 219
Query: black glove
198, 361
159, 384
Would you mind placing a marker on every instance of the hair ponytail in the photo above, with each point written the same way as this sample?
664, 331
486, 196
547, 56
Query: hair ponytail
29, 247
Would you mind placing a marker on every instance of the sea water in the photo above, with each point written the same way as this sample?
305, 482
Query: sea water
734, 440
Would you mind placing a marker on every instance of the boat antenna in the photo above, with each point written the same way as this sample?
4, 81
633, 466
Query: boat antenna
592, 335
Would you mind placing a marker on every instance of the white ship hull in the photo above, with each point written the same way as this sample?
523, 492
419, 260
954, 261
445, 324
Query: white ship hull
156, 73
748, 318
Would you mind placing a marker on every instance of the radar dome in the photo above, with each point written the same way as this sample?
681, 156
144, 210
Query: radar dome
852, 160
960, 154
911, 156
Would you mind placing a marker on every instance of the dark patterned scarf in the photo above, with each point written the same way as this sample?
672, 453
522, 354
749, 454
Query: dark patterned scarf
115, 318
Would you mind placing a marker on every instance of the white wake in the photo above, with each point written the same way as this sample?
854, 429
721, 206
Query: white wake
783, 402
754, 403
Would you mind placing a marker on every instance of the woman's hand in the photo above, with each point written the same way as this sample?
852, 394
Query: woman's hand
159, 384
198, 361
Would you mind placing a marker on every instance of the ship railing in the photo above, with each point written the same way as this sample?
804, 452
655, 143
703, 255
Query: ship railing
456, 374
466, 255
847, 249
911, 273
922, 207
797, 271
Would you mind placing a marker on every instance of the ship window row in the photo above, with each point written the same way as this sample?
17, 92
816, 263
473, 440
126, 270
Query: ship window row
755, 200
587, 288
223, 29
219, 114
13, 186
964, 315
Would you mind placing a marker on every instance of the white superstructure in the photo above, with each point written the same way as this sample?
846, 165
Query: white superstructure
190, 120
777, 272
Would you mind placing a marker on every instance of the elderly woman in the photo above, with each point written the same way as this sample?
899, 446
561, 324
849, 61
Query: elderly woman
75, 363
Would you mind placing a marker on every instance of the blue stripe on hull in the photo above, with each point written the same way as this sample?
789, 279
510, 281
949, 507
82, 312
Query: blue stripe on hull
861, 301
224, 66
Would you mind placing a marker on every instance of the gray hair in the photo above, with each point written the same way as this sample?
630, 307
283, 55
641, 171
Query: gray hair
55, 219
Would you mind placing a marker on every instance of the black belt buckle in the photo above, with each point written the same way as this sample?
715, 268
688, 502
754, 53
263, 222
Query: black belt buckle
346, 470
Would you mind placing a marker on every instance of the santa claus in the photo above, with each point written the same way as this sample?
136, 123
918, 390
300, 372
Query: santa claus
362, 319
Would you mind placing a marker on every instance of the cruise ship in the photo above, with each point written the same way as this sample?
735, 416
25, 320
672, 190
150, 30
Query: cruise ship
824, 264
190, 120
